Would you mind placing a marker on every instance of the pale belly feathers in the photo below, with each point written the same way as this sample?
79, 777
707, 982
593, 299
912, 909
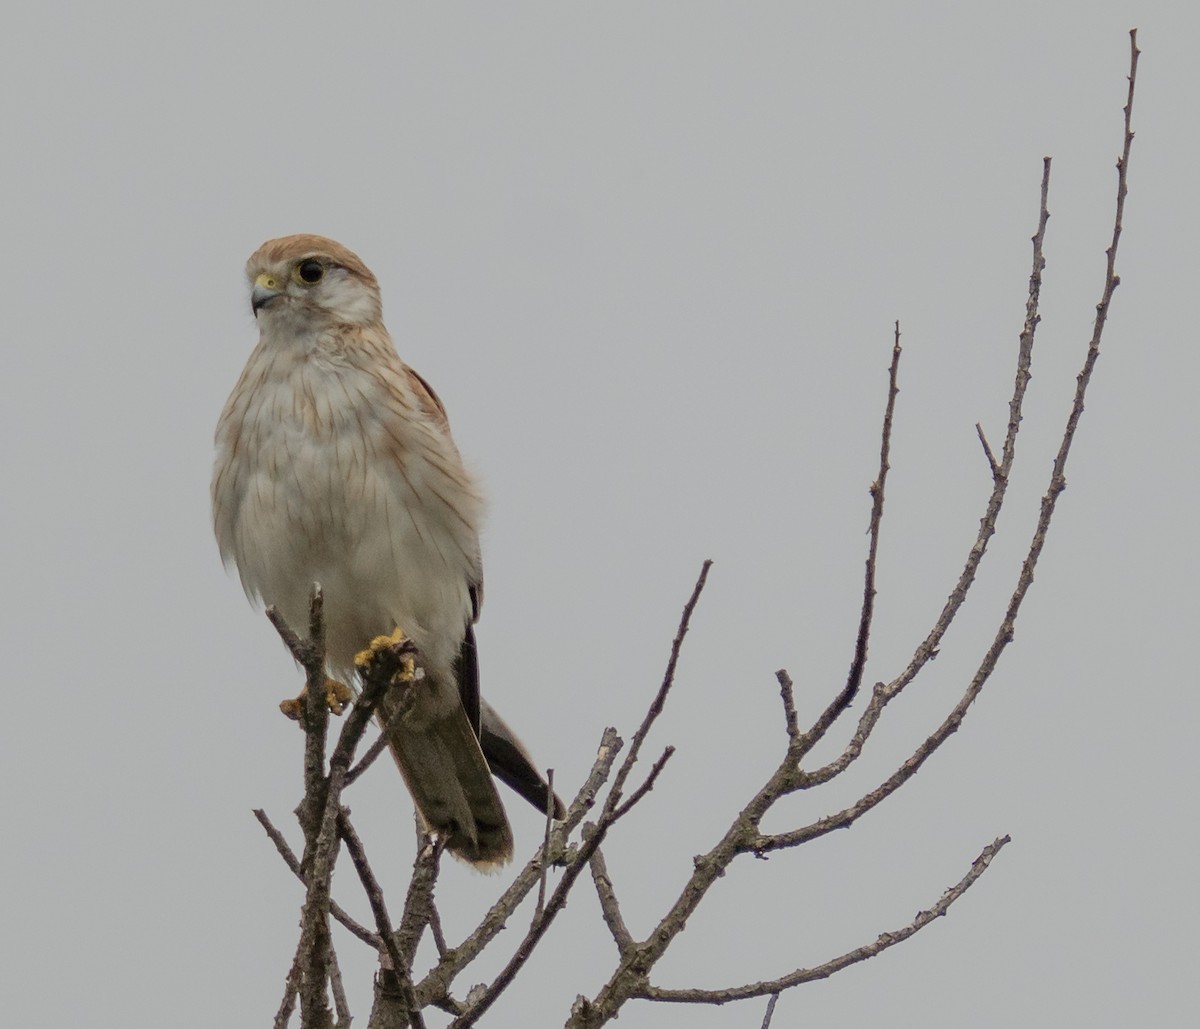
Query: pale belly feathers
317, 494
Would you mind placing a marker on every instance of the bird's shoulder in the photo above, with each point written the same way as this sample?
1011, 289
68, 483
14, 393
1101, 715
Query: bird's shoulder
426, 397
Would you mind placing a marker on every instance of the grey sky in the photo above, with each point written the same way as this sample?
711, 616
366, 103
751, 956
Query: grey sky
650, 257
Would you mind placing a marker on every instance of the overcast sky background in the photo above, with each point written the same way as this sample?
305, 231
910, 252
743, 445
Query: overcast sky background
650, 256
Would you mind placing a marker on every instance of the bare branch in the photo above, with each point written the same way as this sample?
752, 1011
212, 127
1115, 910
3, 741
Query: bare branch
319, 852
291, 990
437, 982
349, 922
315, 945
609, 907
801, 745
340, 1004
293, 642
315, 713
1006, 632
383, 924
374, 750
593, 836
660, 698
929, 646
1057, 477
635, 964
418, 902
612, 811
884, 694
435, 930
380, 744
1111, 281
320, 809
854, 677
787, 693
646, 787
477, 1005
395, 1002
804, 975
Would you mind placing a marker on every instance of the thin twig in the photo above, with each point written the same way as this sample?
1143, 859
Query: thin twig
383, 924
655, 770
928, 647
770, 1012
289, 857
369, 756
804, 975
787, 692
395, 998
1111, 278
479, 1004
291, 991
987, 452
340, 1004
712, 866
927, 650
660, 698
1006, 632
858, 663
435, 929
437, 982
541, 897
610, 813
609, 906
1057, 478
380, 744
290, 640
800, 745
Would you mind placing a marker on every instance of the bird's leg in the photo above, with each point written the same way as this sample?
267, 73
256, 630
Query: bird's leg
337, 696
391, 656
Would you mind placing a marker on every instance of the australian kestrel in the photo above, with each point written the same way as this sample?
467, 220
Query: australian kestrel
335, 465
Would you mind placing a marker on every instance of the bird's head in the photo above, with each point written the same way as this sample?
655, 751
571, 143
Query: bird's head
311, 280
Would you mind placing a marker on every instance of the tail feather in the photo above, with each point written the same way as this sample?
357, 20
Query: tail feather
511, 764
446, 773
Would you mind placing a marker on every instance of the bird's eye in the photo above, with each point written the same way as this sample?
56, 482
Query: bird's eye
310, 272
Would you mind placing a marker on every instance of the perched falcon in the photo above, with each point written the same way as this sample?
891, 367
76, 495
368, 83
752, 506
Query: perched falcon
335, 465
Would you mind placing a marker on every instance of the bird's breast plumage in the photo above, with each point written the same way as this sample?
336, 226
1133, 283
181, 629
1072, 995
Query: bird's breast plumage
333, 467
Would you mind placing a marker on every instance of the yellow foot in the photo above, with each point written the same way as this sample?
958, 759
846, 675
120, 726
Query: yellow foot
391, 655
337, 696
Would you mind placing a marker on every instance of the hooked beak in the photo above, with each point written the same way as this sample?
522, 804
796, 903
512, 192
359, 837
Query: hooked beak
266, 288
